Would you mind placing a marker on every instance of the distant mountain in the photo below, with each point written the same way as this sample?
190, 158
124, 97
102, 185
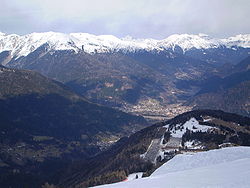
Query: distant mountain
141, 76
230, 93
116, 79
44, 126
202, 47
146, 150
235, 99
24, 45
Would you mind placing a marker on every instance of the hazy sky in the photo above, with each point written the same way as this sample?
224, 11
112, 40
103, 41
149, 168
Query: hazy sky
137, 18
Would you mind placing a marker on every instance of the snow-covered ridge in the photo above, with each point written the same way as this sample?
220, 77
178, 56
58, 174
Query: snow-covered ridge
186, 42
23, 45
238, 40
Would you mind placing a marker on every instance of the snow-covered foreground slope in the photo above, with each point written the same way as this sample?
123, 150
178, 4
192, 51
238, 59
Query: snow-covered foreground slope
23, 45
222, 168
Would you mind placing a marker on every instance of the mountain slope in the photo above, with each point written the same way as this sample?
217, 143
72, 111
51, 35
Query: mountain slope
227, 167
230, 93
44, 126
149, 148
235, 99
18, 84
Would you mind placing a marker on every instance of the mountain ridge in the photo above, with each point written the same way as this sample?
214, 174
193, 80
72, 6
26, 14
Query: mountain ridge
229, 93
25, 44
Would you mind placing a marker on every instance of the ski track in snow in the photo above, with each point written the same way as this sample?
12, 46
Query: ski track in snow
153, 150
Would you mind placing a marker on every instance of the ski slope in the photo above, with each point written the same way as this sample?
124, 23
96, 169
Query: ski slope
222, 168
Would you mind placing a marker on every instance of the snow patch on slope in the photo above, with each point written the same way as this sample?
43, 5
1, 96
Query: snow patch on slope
193, 144
134, 176
193, 125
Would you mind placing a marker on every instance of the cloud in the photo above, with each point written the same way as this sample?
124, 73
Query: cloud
138, 18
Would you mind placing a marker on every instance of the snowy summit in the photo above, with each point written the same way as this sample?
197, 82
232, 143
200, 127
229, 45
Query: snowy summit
23, 45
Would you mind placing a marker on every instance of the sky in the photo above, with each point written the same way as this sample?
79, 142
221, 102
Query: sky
136, 18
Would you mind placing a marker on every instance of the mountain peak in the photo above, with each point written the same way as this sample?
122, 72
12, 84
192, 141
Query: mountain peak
238, 40
23, 45
187, 42
2, 34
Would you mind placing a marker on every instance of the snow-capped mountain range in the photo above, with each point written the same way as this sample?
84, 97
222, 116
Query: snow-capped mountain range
24, 45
